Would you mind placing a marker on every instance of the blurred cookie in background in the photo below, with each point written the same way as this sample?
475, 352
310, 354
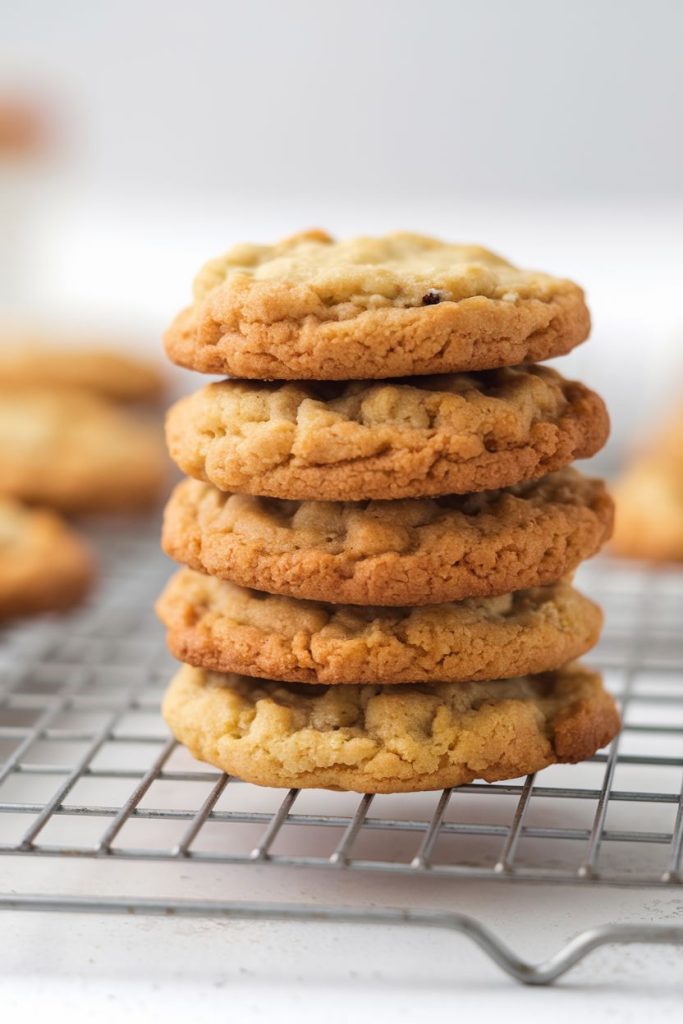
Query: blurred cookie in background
23, 126
649, 498
72, 450
104, 371
44, 565
31, 137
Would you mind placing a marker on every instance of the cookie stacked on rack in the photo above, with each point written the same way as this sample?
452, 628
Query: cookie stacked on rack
381, 523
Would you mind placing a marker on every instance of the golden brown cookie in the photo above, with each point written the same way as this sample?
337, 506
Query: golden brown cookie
109, 373
389, 739
77, 452
220, 626
392, 553
44, 566
313, 308
352, 441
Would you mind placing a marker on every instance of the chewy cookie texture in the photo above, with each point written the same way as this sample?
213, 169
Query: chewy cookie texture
389, 739
367, 308
438, 435
220, 626
381, 522
392, 552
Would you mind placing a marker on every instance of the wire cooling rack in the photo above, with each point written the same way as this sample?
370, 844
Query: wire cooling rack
87, 770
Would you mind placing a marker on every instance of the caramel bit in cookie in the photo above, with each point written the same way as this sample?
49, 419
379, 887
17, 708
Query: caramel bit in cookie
431, 298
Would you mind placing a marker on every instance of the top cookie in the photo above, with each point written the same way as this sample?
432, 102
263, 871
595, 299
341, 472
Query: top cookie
310, 308
114, 375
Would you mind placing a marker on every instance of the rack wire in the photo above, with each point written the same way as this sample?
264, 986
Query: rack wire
87, 770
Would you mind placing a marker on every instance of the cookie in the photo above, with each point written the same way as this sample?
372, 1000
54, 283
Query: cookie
649, 496
77, 452
389, 739
105, 372
649, 520
220, 626
353, 441
369, 308
392, 553
44, 565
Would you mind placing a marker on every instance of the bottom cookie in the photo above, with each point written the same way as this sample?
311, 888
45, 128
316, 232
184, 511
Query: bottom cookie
44, 565
389, 739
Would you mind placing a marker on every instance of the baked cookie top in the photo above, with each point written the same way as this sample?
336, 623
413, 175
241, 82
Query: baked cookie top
74, 451
44, 565
387, 739
392, 553
358, 440
218, 625
106, 372
311, 307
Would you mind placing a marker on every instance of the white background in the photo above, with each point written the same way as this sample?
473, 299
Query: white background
551, 131
365, 98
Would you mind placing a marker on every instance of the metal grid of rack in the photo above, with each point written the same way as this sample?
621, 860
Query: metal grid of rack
87, 770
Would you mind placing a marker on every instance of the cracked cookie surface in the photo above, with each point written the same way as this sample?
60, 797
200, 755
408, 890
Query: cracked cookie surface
389, 739
370, 308
44, 565
388, 440
76, 452
220, 626
392, 553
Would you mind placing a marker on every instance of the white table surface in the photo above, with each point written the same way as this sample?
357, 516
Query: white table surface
244, 974
149, 969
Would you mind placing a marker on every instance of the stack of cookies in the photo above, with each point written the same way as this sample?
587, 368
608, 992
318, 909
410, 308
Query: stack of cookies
381, 526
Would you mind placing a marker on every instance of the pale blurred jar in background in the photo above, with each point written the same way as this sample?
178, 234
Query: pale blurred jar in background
28, 146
